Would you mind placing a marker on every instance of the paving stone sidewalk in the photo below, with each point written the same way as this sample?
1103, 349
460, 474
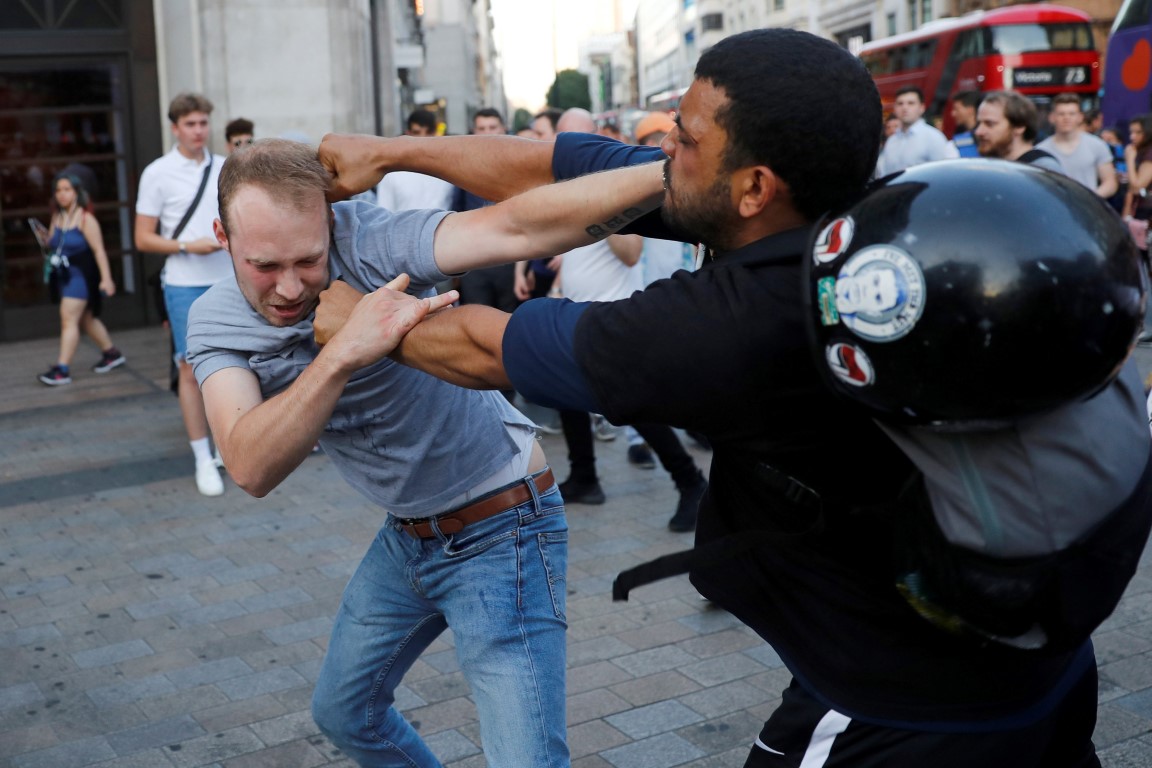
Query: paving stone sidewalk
145, 626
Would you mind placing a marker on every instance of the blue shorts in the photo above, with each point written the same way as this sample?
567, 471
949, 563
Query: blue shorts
178, 300
76, 287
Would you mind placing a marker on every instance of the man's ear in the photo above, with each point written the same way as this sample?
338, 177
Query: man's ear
754, 188
221, 236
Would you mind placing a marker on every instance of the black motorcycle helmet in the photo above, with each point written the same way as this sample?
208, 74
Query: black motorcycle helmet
973, 292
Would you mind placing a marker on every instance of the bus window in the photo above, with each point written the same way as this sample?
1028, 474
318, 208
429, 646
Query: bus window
970, 44
927, 52
1135, 13
1070, 37
1027, 38
877, 64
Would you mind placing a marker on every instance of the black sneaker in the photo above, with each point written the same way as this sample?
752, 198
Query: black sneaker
688, 507
581, 493
55, 377
640, 456
109, 360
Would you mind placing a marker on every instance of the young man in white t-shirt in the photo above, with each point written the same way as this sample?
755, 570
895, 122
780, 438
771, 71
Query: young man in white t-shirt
195, 260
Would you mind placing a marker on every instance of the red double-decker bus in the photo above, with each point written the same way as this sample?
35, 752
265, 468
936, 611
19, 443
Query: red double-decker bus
1039, 50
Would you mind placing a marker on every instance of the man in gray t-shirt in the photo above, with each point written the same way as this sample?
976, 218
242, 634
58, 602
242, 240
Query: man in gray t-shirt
475, 537
1084, 157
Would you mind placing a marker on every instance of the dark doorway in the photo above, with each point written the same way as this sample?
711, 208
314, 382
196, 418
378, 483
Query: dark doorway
78, 94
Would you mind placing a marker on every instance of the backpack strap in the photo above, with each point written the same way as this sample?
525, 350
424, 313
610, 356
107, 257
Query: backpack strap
1033, 155
702, 557
787, 490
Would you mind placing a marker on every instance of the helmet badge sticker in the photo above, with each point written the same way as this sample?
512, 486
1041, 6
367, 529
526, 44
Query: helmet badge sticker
850, 364
833, 240
826, 299
880, 293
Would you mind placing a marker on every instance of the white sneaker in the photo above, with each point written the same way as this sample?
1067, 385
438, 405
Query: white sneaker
603, 429
208, 478
549, 429
217, 459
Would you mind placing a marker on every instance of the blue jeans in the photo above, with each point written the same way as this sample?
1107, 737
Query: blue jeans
178, 301
500, 585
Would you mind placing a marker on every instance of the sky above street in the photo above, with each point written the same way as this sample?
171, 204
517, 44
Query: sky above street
537, 37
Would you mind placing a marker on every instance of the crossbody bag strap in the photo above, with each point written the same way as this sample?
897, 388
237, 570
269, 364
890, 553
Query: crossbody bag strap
195, 201
58, 259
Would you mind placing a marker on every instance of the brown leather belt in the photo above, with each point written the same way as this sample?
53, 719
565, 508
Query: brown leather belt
494, 504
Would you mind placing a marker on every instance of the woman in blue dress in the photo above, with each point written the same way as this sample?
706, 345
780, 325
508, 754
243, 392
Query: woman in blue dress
76, 235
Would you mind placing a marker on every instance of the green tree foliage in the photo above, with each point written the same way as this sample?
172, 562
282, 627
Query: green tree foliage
569, 89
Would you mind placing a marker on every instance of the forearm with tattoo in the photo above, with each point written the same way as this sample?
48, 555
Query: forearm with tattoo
615, 223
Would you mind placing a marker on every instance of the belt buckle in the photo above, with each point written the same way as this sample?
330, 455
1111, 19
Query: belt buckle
446, 525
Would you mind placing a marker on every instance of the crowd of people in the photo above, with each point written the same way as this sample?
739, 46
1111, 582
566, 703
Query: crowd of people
1006, 125
175, 209
310, 295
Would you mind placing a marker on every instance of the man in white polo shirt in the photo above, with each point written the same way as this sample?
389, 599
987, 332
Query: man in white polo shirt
175, 208
915, 142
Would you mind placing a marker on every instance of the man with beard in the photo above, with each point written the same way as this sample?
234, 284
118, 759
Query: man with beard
475, 537
1006, 129
724, 351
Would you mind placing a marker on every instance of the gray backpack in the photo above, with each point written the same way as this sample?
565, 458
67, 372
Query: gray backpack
1027, 535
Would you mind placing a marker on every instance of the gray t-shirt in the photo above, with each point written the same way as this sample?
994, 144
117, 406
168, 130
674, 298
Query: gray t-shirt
1090, 153
406, 440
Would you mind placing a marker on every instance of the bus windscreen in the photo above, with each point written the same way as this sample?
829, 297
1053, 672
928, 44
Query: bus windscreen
1014, 39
